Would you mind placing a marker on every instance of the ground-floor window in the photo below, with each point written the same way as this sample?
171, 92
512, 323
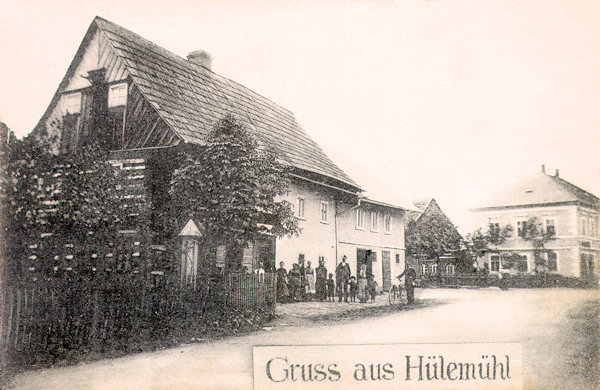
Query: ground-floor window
552, 263
434, 269
495, 263
522, 264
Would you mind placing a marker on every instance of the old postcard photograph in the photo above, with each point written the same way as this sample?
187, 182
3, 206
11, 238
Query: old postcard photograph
202, 194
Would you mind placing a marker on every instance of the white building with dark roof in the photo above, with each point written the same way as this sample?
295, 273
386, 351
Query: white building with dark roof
146, 101
562, 209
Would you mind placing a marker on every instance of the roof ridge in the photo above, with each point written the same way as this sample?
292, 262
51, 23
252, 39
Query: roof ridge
191, 66
570, 186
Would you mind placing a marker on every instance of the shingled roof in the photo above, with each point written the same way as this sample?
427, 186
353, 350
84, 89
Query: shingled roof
539, 190
191, 99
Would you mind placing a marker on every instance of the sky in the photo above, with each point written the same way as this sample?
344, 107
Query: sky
454, 100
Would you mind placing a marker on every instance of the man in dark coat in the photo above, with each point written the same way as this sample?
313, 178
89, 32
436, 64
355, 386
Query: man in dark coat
342, 275
409, 283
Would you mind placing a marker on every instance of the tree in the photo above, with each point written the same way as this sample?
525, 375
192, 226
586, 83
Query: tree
495, 235
480, 242
59, 199
432, 236
230, 185
533, 231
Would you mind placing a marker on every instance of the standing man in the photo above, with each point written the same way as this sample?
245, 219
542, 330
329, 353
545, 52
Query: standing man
321, 285
409, 283
342, 275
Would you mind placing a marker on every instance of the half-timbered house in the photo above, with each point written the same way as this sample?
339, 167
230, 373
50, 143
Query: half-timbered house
142, 101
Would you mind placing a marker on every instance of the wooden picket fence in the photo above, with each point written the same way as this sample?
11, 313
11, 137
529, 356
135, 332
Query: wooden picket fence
58, 315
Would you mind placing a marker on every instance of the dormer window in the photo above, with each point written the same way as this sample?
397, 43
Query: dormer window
117, 95
73, 103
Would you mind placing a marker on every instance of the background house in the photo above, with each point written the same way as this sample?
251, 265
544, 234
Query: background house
562, 209
142, 101
438, 254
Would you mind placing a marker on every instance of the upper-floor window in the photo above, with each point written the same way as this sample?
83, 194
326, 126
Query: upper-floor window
593, 230
300, 207
521, 228
117, 95
450, 269
324, 211
387, 223
583, 226
73, 103
550, 227
374, 221
360, 219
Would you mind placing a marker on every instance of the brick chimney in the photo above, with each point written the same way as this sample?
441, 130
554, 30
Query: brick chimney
201, 58
543, 168
556, 173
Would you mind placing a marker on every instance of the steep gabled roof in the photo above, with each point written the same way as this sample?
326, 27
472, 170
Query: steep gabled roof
191, 99
539, 190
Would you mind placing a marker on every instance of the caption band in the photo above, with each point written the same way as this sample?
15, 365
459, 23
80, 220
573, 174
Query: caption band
389, 366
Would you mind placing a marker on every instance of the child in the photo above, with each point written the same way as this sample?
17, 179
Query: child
330, 289
372, 286
353, 288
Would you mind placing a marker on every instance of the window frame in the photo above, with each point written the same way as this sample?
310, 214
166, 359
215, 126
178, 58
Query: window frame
434, 269
521, 227
121, 99
360, 219
552, 225
375, 221
301, 200
495, 261
555, 260
326, 220
387, 223
520, 262
69, 99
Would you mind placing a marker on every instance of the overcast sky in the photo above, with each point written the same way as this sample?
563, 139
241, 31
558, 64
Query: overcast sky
447, 99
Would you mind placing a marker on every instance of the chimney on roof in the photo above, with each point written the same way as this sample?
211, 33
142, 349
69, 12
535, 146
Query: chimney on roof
201, 58
556, 174
543, 168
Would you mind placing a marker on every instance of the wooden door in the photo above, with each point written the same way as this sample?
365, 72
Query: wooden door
386, 273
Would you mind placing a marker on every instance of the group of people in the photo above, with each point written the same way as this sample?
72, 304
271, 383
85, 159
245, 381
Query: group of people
303, 283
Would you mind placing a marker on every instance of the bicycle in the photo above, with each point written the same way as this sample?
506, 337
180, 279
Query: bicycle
397, 295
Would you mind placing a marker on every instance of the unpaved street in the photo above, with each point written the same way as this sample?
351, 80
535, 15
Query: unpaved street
558, 329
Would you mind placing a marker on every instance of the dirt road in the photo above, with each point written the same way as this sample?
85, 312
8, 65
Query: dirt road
558, 328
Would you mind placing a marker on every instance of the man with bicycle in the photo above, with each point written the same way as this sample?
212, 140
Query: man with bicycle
410, 276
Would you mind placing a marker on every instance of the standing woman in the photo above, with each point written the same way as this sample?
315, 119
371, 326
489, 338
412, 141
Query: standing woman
294, 277
309, 275
282, 286
363, 293
321, 284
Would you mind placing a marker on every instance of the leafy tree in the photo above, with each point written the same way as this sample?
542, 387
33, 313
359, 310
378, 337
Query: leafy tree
533, 232
480, 242
230, 185
432, 236
56, 200
495, 235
